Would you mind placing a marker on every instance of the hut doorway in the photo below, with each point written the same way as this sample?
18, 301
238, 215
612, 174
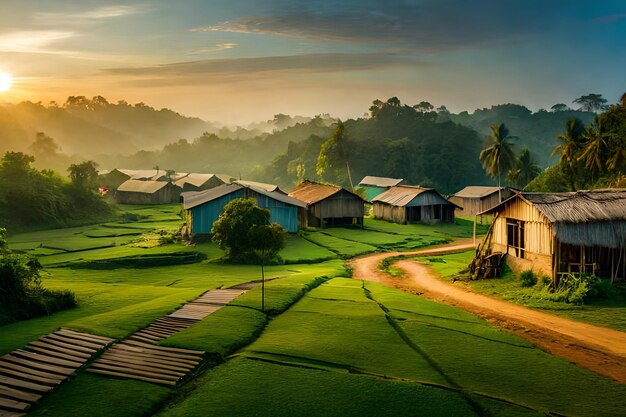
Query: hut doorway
413, 214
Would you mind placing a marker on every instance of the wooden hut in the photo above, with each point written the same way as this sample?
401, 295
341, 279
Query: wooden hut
328, 205
560, 233
411, 204
374, 186
147, 192
200, 182
475, 199
114, 178
204, 207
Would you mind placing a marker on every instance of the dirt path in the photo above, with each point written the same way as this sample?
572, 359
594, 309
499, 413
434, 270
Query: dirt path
599, 349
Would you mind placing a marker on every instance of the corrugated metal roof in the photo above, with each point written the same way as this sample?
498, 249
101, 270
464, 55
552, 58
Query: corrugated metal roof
142, 174
191, 200
380, 181
139, 186
477, 191
403, 195
262, 185
312, 192
197, 180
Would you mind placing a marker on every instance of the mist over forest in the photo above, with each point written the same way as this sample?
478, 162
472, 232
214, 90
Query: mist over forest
420, 143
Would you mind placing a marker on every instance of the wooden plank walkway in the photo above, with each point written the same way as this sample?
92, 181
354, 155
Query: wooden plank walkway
27, 374
140, 358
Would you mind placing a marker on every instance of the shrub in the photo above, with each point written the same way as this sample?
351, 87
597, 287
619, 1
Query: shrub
528, 278
580, 288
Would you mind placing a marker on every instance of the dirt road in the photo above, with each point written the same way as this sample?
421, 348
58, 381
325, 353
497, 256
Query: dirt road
599, 349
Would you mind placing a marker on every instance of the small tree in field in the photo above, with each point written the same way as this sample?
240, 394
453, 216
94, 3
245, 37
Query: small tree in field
244, 230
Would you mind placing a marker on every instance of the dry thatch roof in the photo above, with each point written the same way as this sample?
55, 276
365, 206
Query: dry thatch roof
262, 185
313, 192
198, 180
144, 187
382, 182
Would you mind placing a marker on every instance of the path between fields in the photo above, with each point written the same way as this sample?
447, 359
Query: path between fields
599, 349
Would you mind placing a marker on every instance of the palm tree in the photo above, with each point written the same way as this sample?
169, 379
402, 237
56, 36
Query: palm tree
595, 151
570, 146
498, 156
526, 169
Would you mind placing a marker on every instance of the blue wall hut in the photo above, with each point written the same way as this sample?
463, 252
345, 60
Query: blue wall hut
204, 207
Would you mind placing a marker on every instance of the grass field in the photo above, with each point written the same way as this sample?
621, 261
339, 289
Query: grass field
339, 344
609, 313
324, 346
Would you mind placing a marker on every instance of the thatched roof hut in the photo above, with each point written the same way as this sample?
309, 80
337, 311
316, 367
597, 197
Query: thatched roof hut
477, 198
199, 182
329, 204
147, 192
413, 204
556, 233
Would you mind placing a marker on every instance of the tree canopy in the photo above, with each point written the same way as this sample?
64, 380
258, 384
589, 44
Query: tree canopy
245, 231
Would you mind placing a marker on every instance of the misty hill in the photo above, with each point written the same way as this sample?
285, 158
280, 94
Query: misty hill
214, 154
535, 131
91, 127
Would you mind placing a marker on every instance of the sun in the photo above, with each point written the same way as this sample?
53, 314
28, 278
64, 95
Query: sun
5, 81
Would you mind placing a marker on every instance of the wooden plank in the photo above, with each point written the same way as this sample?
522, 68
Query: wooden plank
69, 345
169, 350
172, 360
46, 359
29, 377
141, 367
145, 333
24, 369
146, 361
19, 395
56, 370
137, 377
4, 413
162, 328
14, 405
68, 339
158, 331
143, 339
104, 340
185, 367
12, 382
98, 365
68, 352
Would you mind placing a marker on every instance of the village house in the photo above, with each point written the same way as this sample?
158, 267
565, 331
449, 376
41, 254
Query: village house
328, 205
204, 207
560, 233
374, 186
412, 204
476, 198
147, 192
200, 182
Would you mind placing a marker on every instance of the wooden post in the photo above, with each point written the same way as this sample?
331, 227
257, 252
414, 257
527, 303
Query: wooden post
475, 231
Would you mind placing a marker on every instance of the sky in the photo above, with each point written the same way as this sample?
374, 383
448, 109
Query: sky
239, 61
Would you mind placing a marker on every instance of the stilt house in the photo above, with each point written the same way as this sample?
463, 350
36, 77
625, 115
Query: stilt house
561, 233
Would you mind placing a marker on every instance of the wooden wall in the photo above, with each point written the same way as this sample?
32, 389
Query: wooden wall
166, 195
342, 205
399, 214
473, 206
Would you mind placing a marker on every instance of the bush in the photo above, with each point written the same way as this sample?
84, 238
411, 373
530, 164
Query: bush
528, 278
580, 288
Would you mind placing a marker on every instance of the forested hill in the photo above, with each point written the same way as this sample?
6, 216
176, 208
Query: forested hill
94, 126
397, 141
535, 131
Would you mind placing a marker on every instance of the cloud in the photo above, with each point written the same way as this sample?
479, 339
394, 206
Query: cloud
35, 41
106, 12
194, 71
427, 25
218, 47
101, 13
